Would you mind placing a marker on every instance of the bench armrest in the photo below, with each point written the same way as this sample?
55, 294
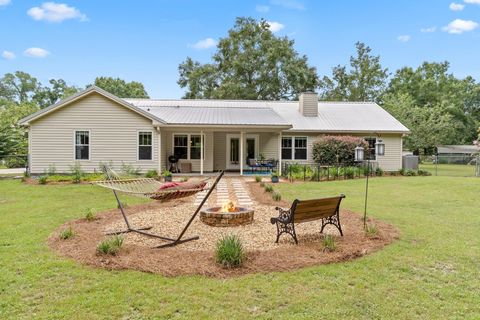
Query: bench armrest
284, 216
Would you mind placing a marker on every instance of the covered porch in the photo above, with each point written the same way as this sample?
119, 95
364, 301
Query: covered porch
208, 150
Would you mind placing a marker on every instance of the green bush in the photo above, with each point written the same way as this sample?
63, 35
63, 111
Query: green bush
124, 205
401, 172
90, 214
371, 230
411, 173
130, 170
166, 173
111, 245
349, 172
276, 196
329, 243
151, 174
42, 179
67, 234
77, 172
331, 150
268, 188
258, 179
424, 172
229, 251
379, 172
15, 162
262, 184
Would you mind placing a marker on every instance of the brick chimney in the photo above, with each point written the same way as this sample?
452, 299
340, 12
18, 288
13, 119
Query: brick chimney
308, 104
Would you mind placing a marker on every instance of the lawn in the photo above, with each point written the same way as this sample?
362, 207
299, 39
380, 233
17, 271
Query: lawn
431, 272
449, 170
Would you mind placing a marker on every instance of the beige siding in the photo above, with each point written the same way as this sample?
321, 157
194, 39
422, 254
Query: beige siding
220, 150
269, 145
113, 136
208, 161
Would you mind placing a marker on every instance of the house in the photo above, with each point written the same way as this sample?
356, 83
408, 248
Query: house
94, 126
457, 154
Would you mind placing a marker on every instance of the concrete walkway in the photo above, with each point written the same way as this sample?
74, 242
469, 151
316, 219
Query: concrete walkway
18, 171
227, 189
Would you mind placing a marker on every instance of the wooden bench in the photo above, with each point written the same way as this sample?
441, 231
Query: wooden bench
326, 209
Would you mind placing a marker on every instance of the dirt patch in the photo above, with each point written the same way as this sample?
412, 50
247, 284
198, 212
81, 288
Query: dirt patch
197, 257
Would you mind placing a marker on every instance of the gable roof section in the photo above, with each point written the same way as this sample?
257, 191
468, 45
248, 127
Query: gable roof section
84, 93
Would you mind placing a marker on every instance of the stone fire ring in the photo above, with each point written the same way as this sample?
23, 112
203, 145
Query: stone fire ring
213, 217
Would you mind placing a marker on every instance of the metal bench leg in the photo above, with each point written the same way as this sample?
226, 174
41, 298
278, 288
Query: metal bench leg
333, 220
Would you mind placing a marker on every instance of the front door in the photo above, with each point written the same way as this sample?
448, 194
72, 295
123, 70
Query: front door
250, 150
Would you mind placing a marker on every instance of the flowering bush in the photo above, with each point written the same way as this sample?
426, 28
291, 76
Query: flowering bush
326, 149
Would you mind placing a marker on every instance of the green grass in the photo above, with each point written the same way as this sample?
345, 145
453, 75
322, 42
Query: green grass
450, 170
431, 272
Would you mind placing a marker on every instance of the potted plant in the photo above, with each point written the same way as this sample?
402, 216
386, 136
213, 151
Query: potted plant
275, 177
167, 176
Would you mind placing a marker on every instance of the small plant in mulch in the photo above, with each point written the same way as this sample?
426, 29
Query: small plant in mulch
371, 230
124, 205
229, 252
42, 180
153, 174
276, 196
258, 179
262, 184
90, 214
67, 234
111, 245
184, 179
77, 172
268, 188
328, 242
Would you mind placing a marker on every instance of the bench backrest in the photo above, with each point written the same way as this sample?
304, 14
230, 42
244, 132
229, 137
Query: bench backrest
315, 209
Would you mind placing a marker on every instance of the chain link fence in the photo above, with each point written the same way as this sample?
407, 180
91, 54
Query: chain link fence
459, 165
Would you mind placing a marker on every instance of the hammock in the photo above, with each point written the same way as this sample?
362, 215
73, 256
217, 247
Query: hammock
150, 188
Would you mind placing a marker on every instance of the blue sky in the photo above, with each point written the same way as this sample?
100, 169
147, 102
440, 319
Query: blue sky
146, 40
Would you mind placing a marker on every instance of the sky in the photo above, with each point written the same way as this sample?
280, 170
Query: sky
146, 40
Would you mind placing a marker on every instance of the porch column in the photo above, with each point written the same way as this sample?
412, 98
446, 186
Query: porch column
241, 153
280, 152
159, 135
201, 153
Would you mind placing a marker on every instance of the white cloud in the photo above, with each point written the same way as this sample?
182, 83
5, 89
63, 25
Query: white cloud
36, 52
275, 26
55, 12
472, 1
8, 55
289, 4
459, 26
4, 2
205, 44
262, 8
456, 6
404, 38
429, 29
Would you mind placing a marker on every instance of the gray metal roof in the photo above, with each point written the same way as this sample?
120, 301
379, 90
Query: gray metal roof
458, 149
332, 116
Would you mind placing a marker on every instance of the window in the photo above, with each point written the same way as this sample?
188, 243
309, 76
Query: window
188, 146
294, 148
180, 146
287, 148
82, 145
195, 146
144, 146
300, 148
370, 152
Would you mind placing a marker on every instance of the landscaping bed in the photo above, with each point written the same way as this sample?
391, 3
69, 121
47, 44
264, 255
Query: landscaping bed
197, 257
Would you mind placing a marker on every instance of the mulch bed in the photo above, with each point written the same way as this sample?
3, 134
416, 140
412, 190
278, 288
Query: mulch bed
197, 257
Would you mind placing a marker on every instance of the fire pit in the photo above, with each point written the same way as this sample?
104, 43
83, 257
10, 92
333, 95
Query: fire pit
227, 215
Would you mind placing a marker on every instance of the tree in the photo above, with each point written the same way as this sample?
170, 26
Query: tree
121, 88
250, 63
365, 81
58, 90
19, 86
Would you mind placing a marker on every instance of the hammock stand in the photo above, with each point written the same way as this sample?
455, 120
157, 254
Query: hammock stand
149, 188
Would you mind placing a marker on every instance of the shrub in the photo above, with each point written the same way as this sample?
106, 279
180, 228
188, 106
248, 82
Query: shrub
77, 172
330, 150
424, 173
15, 162
110, 246
258, 179
379, 172
166, 173
349, 172
276, 196
52, 170
130, 170
124, 205
329, 243
371, 230
151, 174
411, 173
42, 180
401, 172
67, 234
229, 251
268, 188
90, 214
262, 184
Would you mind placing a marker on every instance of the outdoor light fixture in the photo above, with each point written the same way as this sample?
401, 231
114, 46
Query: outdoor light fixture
379, 148
359, 154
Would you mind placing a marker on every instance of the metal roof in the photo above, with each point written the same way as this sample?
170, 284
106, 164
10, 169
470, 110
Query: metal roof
458, 149
332, 116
